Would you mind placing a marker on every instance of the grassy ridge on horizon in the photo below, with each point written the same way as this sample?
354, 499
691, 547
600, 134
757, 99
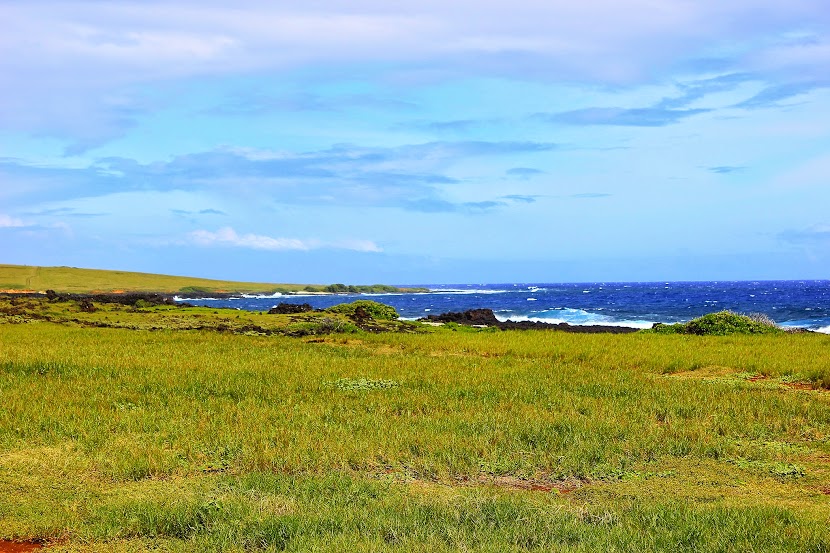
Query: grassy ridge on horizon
76, 280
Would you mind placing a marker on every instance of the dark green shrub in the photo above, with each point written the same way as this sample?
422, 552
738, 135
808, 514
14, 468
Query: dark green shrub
374, 309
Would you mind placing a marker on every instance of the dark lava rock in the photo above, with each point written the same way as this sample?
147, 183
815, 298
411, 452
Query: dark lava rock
86, 306
290, 308
485, 317
124, 299
360, 314
469, 317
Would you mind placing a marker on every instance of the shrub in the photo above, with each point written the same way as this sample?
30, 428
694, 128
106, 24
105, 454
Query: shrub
721, 324
660, 328
374, 309
727, 322
320, 327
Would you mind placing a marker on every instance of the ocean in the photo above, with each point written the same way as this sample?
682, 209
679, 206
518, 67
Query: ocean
803, 303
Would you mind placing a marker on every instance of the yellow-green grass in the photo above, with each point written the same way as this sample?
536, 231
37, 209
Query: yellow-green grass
114, 439
74, 280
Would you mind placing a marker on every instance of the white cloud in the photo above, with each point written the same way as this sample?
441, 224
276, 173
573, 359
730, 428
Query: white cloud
10, 222
77, 77
227, 236
356, 245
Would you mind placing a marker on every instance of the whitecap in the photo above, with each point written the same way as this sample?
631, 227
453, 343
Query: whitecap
177, 298
577, 317
460, 291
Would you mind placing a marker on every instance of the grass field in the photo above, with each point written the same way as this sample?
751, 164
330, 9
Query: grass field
130, 430
71, 279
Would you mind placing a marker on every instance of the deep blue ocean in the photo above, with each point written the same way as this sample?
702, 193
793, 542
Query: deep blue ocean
635, 304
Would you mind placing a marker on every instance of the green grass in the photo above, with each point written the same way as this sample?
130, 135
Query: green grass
74, 280
122, 438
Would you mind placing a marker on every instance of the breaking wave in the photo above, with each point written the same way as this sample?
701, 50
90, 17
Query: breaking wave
578, 317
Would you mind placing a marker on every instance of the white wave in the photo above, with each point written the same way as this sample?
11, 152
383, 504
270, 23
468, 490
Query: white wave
629, 324
460, 291
824, 329
178, 298
262, 296
577, 317
531, 299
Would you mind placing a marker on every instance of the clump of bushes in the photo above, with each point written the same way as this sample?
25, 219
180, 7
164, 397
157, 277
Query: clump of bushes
721, 323
373, 309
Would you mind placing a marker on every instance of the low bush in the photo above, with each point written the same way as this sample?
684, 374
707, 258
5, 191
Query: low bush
721, 323
374, 309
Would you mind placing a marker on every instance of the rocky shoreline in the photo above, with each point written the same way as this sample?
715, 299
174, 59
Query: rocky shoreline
486, 317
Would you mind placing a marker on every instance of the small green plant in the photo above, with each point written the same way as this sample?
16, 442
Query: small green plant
350, 384
779, 469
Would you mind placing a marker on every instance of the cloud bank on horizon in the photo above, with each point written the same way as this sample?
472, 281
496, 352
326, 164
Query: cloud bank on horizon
417, 142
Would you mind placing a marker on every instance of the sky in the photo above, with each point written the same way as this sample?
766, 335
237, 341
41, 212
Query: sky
415, 142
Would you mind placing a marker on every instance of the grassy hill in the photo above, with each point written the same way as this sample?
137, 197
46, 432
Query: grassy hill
71, 279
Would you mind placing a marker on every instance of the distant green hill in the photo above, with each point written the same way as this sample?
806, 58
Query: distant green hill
71, 279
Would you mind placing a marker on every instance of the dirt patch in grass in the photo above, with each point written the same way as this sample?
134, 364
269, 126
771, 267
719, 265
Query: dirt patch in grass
727, 374
527, 484
562, 486
8, 546
803, 386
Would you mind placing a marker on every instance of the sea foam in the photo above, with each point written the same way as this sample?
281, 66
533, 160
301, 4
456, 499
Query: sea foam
577, 317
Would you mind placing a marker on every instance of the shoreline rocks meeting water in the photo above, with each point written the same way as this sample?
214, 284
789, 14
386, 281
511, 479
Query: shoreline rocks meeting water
486, 317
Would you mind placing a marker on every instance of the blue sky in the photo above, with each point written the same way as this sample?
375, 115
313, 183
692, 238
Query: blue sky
418, 142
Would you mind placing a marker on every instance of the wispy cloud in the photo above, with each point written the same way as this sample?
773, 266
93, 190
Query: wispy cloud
10, 222
625, 117
772, 96
228, 237
523, 198
523, 172
435, 205
409, 176
696, 89
726, 169
819, 233
187, 212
